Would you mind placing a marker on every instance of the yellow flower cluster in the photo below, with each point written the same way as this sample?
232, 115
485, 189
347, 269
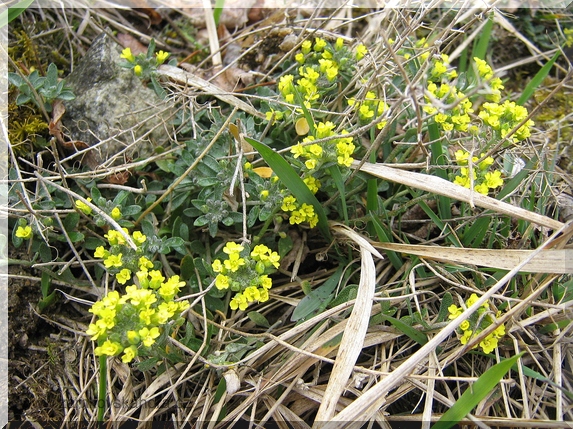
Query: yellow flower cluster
299, 213
339, 150
114, 259
320, 66
245, 273
483, 180
370, 107
568, 37
477, 323
502, 118
495, 84
456, 113
130, 323
142, 63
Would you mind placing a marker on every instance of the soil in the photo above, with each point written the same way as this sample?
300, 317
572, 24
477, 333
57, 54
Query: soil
36, 350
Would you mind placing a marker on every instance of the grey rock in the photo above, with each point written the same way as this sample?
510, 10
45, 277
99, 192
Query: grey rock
114, 113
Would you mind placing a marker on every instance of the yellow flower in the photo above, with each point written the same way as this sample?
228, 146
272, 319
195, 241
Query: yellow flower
252, 294
161, 57
155, 279
232, 247
170, 288
115, 237
234, 262
129, 354
133, 337
339, 44
310, 163
481, 188
137, 70
360, 52
221, 282
264, 295
473, 298
454, 311
289, 203
465, 325
306, 46
123, 276
319, 44
239, 301
298, 150
126, 54
217, 266
24, 232
493, 179
312, 184
96, 330
116, 213
264, 194
465, 338
113, 261
144, 263
108, 348
83, 207
265, 281
488, 344
299, 58
499, 331
148, 336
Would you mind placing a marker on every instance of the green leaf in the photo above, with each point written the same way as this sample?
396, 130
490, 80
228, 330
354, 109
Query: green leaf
407, 330
475, 393
537, 80
293, 182
71, 221
187, 267
445, 302
320, 297
258, 319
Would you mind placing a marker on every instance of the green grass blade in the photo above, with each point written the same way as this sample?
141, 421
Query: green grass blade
407, 330
339, 182
517, 180
12, 13
475, 393
293, 182
440, 158
480, 49
395, 260
474, 235
537, 80
218, 10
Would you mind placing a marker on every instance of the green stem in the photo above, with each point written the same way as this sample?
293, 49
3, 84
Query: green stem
265, 226
102, 388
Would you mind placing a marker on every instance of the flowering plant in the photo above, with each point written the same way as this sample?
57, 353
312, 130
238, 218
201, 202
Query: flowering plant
479, 321
246, 273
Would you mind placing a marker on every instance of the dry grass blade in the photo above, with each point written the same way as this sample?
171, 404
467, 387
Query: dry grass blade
353, 337
548, 261
188, 79
443, 187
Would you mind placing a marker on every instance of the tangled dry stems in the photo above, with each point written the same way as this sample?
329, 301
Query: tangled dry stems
285, 375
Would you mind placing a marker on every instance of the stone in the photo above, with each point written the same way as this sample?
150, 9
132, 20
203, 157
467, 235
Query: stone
117, 116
